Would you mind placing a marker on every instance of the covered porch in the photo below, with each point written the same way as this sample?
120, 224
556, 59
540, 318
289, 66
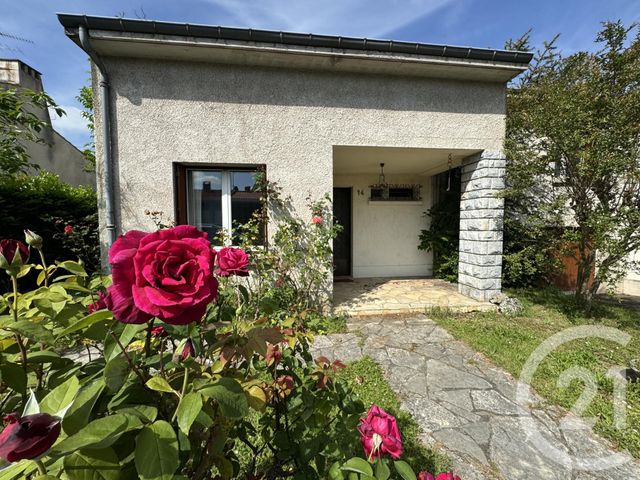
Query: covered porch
376, 296
381, 195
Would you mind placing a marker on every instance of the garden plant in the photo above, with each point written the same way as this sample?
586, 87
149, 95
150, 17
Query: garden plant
184, 363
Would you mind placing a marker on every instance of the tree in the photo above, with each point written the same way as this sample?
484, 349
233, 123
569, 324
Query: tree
85, 97
21, 124
573, 132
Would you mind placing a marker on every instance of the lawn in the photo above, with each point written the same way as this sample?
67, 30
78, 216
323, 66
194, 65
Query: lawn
508, 342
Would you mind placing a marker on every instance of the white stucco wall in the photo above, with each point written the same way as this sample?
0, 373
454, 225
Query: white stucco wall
630, 284
385, 234
167, 112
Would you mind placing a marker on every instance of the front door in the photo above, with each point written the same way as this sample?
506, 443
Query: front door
342, 243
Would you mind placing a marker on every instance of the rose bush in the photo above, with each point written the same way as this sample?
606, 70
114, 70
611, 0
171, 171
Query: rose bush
169, 370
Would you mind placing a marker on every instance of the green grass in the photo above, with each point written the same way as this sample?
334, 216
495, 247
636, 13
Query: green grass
508, 342
325, 324
367, 381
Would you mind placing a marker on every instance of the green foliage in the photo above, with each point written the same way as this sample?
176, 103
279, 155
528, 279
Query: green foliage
442, 237
85, 97
573, 125
509, 341
21, 113
45, 204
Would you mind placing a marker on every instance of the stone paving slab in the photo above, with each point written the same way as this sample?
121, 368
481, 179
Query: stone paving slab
376, 296
468, 408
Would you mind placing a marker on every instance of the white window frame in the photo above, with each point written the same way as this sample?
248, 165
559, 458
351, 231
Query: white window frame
225, 177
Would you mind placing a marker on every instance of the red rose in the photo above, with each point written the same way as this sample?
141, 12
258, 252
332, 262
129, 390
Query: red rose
232, 261
379, 434
99, 304
28, 437
68, 229
166, 274
13, 254
317, 220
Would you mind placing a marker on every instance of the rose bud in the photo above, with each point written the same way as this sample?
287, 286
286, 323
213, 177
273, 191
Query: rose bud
159, 332
68, 229
99, 304
316, 220
188, 350
440, 476
379, 434
232, 261
13, 254
28, 437
274, 354
33, 239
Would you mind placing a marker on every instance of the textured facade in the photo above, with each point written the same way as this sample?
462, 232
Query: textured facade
179, 101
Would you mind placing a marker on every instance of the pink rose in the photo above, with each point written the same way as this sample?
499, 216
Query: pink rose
232, 261
99, 304
379, 434
317, 220
68, 229
166, 274
440, 476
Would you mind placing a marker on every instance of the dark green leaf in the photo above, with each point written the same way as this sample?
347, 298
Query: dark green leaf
78, 414
14, 376
358, 465
60, 397
33, 331
87, 321
157, 452
92, 465
404, 470
188, 409
116, 372
230, 396
99, 434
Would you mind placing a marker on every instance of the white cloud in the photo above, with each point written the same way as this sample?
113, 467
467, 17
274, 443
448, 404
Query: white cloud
70, 124
370, 18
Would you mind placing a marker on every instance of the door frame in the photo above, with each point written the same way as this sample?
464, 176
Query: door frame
349, 276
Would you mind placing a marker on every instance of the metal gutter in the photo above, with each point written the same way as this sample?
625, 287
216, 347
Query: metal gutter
105, 110
129, 25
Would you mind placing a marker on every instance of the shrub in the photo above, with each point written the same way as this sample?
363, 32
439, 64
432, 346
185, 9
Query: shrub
27, 202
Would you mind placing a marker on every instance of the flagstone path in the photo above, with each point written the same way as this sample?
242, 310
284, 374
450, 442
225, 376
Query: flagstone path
468, 407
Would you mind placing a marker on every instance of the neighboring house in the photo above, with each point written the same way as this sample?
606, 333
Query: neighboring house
55, 154
193, 111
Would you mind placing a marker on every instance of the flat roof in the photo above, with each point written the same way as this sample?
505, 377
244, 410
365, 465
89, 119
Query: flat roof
139, 26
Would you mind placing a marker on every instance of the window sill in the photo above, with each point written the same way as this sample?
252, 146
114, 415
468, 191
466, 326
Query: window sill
396, 202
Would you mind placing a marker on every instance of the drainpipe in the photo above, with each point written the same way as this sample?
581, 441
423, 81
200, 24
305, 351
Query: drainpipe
107, 164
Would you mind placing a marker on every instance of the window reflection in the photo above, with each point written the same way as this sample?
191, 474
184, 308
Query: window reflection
204, 200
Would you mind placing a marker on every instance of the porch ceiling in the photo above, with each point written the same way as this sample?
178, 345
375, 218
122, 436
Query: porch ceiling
358, 160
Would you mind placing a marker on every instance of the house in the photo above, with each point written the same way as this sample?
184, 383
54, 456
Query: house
55, 153
193, 111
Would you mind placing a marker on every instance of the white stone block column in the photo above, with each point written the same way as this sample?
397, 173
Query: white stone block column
481, 221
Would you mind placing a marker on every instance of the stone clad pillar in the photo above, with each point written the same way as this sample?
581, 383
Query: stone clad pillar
481, 220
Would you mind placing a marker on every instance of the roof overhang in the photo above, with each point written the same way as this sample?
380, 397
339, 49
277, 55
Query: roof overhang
118, 37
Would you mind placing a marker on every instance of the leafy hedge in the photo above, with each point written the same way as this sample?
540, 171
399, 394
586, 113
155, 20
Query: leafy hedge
46, 205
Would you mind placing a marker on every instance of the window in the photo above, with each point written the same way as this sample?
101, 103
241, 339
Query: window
217, 199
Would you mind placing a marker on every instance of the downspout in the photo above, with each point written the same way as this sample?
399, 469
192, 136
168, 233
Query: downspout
107, 164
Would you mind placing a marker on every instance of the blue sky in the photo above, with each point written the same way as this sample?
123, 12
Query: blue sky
480, 23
